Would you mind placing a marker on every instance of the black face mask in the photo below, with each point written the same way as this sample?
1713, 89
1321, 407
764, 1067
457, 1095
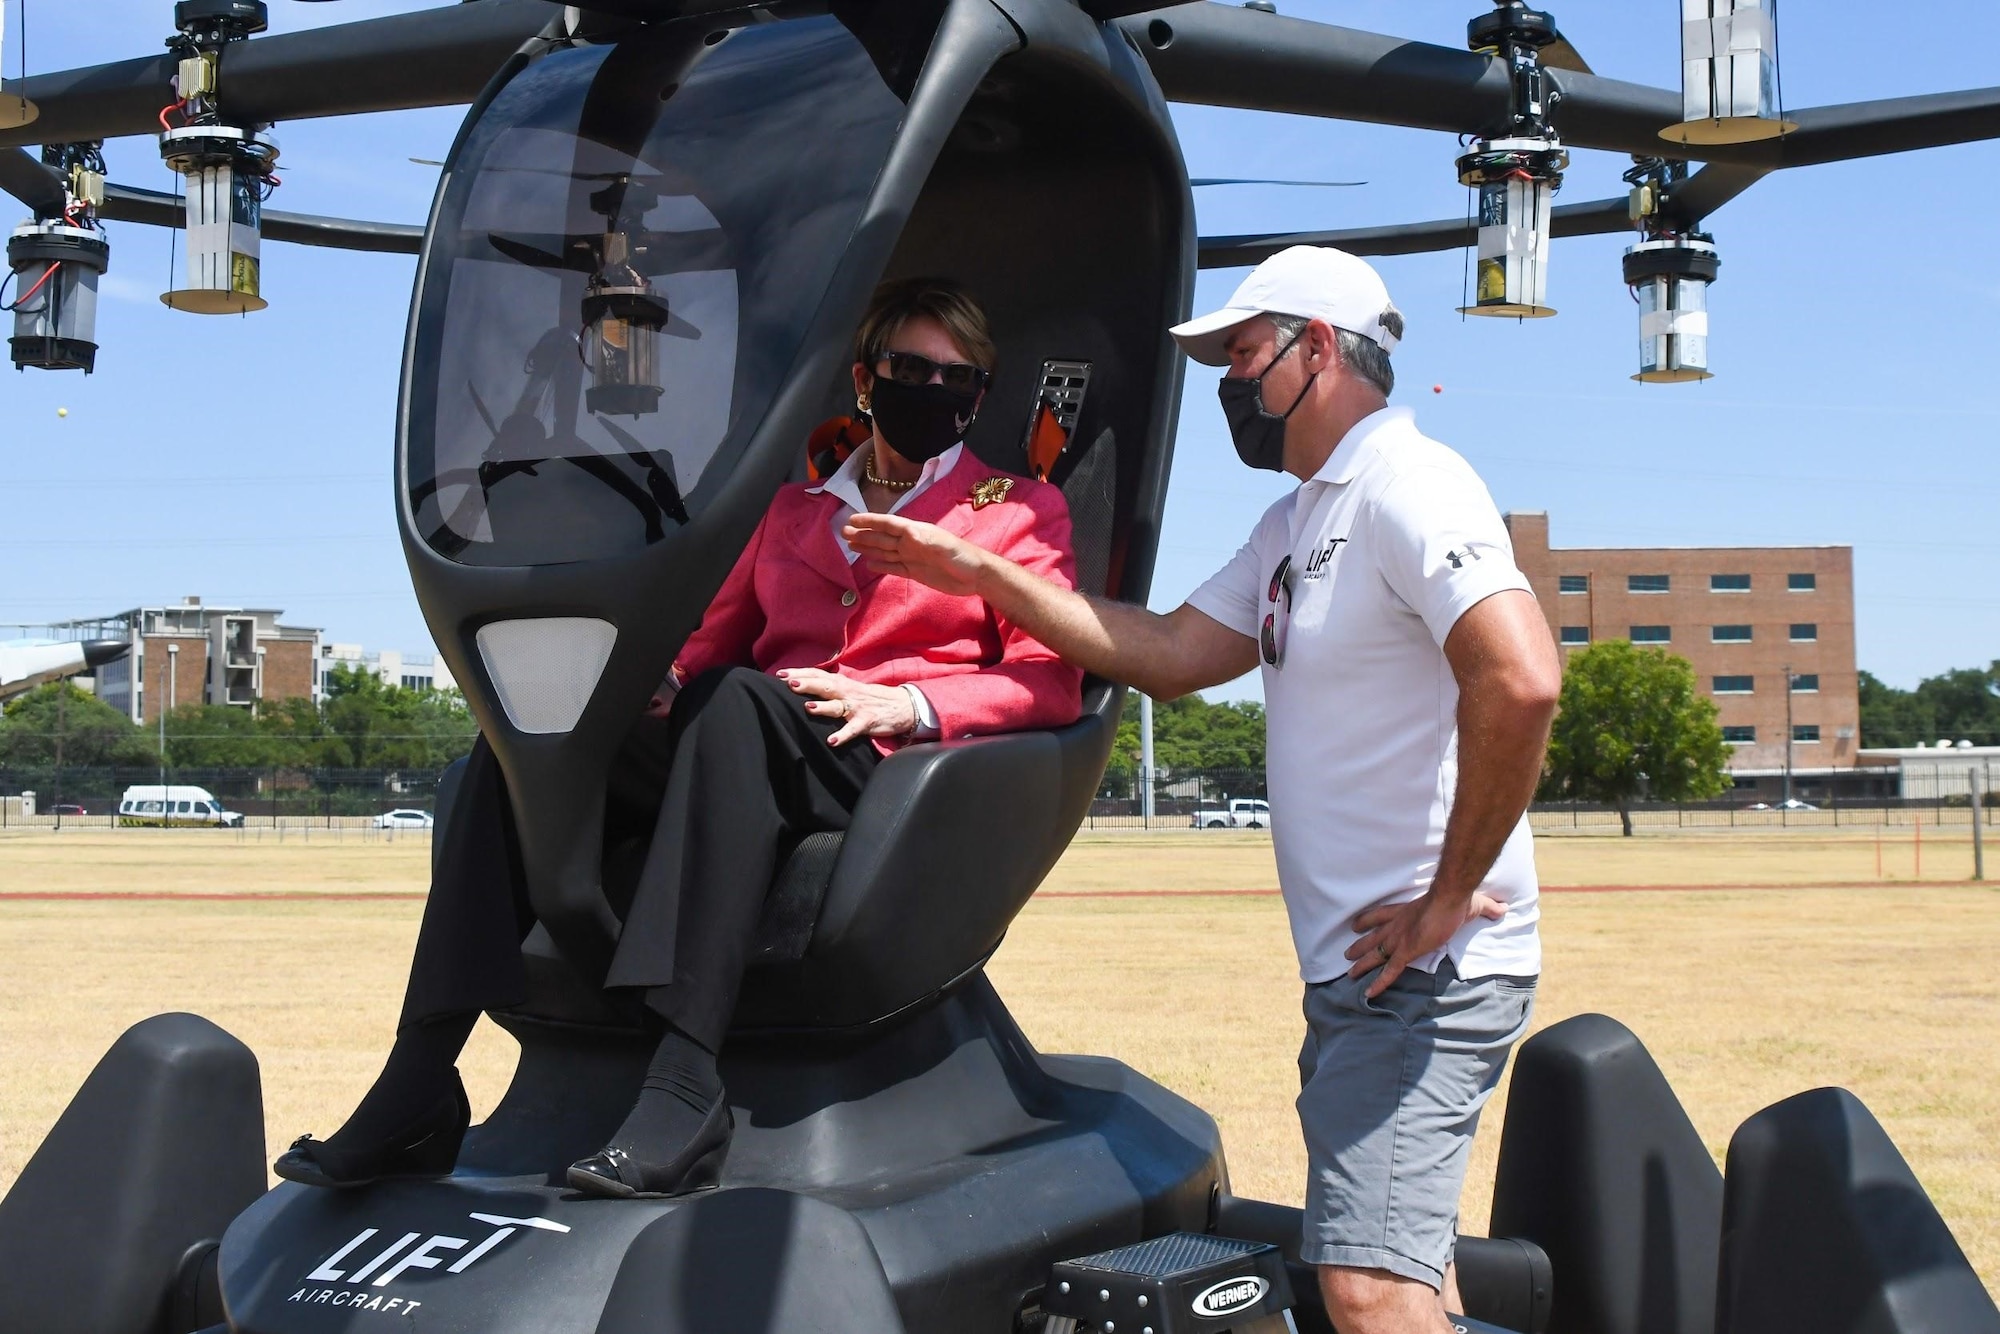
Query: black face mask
921, 421
1258, 432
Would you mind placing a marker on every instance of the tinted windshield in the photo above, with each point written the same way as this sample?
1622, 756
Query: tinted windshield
624, 266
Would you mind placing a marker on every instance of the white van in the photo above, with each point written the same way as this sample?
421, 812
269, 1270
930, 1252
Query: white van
174, 804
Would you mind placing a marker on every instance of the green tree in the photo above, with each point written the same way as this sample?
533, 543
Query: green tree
1964, 704
216, 736
366, 723
295, 731
1631, 723
1959, 705
1892, 717
91, 732
1190, 733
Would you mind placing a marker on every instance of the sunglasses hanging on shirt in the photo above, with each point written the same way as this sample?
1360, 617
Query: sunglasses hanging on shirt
1278, 620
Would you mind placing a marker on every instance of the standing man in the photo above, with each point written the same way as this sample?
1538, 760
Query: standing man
1409, 682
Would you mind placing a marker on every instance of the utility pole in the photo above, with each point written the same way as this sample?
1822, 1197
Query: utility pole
63, 725
173, 665
1978, 842
1146, 761
1788, 737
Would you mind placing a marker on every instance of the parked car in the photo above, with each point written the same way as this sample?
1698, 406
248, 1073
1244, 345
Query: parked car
1240, 813
175, 804
405, 819
65, 808
1792, 805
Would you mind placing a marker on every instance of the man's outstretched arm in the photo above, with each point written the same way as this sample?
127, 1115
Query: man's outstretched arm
1165, 656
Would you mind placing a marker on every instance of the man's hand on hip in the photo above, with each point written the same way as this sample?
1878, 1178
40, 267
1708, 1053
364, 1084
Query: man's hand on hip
924, 552
1394, 935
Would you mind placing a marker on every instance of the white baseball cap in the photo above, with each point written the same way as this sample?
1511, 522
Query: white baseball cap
1313, 282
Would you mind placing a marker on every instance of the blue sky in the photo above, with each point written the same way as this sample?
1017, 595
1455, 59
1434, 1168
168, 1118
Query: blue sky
1854, 329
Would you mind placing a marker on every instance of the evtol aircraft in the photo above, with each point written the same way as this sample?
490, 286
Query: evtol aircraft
25, 666
701, 194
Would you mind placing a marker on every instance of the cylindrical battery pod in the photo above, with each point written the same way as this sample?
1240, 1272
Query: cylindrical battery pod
225, 169
1517, 180
55, 328
1729, 73
1670, 276
621, 345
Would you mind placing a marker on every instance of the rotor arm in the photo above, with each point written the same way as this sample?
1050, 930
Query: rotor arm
1888, 125
1220, 55
432, 57
1596, 218
124, 203
31, 182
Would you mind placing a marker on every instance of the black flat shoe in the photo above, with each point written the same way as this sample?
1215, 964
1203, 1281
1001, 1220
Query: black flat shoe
615, 1173
429, 1148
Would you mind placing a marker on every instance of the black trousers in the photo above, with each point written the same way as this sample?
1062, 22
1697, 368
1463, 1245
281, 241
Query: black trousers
699, 809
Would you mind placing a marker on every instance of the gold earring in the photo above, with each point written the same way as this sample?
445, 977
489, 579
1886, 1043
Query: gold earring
861, 404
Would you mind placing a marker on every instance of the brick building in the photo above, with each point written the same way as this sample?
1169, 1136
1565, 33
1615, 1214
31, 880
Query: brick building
199, 653
1742, 616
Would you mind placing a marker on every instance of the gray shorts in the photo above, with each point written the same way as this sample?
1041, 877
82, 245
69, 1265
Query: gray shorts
1389, 1095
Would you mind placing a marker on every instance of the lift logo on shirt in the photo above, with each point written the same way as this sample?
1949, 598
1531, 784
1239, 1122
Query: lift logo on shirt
1321, 559
358, 1271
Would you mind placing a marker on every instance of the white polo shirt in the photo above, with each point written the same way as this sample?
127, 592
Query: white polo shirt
1389, 544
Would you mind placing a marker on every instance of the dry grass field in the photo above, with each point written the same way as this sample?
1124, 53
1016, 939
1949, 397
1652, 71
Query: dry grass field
1803, 971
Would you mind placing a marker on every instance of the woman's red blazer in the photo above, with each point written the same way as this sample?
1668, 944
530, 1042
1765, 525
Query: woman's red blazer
793, 600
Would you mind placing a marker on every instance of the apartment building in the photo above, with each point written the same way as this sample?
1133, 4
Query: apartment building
1769, 630
194, 652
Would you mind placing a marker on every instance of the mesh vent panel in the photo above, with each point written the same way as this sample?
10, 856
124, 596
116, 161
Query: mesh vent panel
545, 669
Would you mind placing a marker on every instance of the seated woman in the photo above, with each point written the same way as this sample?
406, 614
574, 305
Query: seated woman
806, 670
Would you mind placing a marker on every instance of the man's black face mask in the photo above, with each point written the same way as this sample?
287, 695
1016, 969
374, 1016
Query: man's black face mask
1258, 432
921, 421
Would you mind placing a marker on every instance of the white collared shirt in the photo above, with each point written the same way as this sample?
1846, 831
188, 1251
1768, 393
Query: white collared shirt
1390, 543
845, 486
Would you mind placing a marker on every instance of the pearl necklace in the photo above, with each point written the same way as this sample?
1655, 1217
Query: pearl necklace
868, 474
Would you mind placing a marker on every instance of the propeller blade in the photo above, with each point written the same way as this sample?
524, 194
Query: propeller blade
1252, 180
1559, 54
1228, 252
155, 208
652, 253
30, 182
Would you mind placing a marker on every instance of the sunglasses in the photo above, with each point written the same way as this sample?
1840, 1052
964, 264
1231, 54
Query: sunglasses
961, 377
1273, 638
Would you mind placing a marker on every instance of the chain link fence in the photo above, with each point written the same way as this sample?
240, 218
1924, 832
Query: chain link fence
280, 798
269, 798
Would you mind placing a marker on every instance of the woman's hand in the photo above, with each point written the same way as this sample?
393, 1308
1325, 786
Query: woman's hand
662, 702
924, 552
864, 710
